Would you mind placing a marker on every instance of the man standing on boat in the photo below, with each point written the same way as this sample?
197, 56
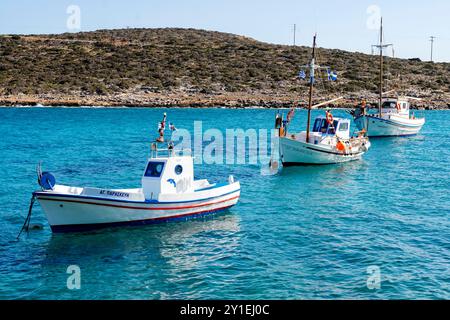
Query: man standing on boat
363, 107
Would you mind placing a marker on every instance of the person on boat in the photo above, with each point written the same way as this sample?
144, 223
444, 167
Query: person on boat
329, 123
290, 114
362, 133
284, 128
285, 123
161, 128
278, 120
363, 107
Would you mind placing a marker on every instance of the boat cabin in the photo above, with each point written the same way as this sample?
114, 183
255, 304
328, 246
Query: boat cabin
340, 127
395, 105
168, 175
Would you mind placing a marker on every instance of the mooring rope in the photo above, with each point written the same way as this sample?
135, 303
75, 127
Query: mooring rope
26, 224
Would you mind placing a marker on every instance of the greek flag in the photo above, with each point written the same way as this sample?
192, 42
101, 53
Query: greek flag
332, 76
302, 75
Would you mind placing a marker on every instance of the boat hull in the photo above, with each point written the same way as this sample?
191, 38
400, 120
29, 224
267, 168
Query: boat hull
392, 127
68, 213
297, 153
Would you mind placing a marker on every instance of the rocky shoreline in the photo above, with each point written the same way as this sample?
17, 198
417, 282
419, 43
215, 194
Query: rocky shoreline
198, 100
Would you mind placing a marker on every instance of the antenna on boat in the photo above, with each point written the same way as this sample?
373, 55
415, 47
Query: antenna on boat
312, 70
311, 85
381, 46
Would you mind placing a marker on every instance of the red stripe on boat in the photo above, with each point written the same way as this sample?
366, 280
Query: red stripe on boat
140, 208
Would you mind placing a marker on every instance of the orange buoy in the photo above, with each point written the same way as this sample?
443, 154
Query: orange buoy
340, 146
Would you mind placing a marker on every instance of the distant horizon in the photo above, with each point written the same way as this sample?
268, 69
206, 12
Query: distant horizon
346, 25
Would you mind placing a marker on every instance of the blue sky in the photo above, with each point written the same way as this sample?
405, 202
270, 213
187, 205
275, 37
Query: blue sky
340, 24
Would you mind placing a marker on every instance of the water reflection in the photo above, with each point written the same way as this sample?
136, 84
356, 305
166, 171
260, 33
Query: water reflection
141, 258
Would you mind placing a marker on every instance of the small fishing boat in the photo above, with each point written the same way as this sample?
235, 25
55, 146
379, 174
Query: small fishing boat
393, 117
168, 192
328, 143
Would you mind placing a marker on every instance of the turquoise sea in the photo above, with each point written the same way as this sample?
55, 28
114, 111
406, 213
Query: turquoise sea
306, 233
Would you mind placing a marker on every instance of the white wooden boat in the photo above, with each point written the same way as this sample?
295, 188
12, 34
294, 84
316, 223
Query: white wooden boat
393, 118
328, 144
168, 192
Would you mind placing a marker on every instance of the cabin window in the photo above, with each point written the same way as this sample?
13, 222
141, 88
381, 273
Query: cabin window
178, 169
321, 125
317, 125
389, 105
343, 126
154, 169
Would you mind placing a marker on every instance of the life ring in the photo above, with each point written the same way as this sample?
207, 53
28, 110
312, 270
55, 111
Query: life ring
329, 118
398, 106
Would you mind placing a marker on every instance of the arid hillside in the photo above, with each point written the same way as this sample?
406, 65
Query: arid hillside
187, 67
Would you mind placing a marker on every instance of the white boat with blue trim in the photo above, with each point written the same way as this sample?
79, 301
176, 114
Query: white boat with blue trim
328, 143
393, 120
168, 192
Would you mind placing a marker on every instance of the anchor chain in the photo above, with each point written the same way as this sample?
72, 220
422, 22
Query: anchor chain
26, 224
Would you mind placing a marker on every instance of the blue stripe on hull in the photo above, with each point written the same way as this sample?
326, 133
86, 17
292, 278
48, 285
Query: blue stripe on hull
394, 123
97, 226
393, 136
303, 164
60, 195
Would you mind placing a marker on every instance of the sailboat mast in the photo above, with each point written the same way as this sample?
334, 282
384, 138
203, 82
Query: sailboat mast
381, 67
311, 85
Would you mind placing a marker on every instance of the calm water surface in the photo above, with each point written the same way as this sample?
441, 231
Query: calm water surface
307, 233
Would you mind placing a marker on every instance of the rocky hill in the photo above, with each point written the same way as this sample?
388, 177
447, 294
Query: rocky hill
187, 67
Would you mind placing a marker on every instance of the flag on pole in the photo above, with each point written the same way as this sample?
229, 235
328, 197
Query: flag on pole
332, 75
302, 75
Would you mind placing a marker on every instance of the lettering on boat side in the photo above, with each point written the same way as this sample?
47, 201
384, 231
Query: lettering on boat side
228, 309
115, 193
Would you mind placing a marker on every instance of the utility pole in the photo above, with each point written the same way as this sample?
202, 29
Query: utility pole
432, 42
295, 31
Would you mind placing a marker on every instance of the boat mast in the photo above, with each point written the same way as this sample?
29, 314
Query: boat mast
311, 85
381, 67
